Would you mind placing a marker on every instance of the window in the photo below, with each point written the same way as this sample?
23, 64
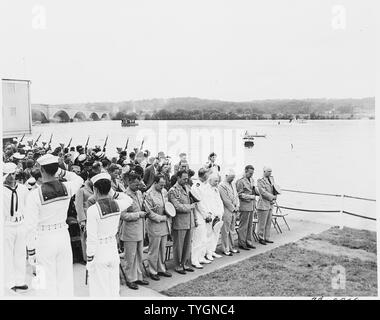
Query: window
12, 111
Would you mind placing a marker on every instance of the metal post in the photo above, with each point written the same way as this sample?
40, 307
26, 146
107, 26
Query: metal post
341, 211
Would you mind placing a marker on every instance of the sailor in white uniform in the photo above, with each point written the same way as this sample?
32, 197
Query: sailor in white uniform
102, 225
199, 243
214, 205
48, 239
14, 202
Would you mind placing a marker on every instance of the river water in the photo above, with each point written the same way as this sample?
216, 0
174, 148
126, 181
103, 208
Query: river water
329, 156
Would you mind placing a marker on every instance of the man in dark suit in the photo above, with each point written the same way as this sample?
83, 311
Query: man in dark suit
183, 223
150, 173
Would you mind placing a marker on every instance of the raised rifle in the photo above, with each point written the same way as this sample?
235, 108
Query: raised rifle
51, 137
105, 143
22, 138
85, 146
35, 143
68, 146
126, 145
142, 143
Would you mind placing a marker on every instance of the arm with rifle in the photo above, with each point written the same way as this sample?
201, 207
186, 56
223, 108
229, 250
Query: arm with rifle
22, 138
126, 145
68, 146
86, 145
142, 143
35, 143
49, 144
105, 143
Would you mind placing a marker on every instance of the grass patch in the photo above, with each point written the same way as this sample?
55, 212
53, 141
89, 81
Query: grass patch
291, 270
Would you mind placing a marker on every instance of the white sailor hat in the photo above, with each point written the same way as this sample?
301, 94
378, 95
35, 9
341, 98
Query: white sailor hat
27, 148
103, 175
9, 167
30, 183
100, 154
18, 156
47, 159
74, 155
82, 157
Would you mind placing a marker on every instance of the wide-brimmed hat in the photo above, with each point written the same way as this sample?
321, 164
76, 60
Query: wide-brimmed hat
169, 209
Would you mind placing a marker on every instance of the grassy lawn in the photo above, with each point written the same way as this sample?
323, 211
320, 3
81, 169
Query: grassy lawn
304, 268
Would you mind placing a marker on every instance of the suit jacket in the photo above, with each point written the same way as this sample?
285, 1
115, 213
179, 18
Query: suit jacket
149, 176
157, 223
246, 191
229, 197
133, 227
185, 217
81, 201
266, 194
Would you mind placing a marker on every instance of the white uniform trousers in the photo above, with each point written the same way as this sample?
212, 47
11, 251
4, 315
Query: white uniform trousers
198, 245
212, 238
55, 262
14, 255
103, 275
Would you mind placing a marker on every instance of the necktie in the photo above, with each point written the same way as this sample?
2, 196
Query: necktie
14, 192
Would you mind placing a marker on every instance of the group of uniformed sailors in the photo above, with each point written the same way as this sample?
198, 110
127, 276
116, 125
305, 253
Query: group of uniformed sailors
206, 210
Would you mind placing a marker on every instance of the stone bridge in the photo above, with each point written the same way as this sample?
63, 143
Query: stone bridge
69, 113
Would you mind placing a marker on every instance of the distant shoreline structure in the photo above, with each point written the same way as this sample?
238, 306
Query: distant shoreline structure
202, 109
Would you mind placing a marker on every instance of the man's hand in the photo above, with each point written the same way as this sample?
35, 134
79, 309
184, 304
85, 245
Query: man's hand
90, 262
32, 257
82, 225
164, 218
142, 214
193, 205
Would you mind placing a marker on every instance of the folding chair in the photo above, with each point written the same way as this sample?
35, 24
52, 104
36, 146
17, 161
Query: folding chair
280, 214
169, 246
254, 223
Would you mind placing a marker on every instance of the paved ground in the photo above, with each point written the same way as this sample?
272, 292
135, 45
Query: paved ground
299, 229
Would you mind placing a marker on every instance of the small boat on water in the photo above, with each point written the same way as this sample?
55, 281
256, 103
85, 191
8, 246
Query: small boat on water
248, 140
128, 123
248, 136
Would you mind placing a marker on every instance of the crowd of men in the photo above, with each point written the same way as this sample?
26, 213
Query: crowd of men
120, 205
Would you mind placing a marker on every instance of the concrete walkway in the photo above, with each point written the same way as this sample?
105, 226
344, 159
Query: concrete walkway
299, 228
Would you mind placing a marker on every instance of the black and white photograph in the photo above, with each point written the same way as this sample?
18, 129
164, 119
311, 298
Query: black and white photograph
194, 150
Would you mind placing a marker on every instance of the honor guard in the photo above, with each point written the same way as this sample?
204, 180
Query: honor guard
102, 225
14, 202
48, 239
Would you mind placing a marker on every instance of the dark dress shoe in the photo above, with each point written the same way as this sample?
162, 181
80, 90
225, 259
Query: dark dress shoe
155, 277
142, 282
268, 241
165, 274
24, 287
186, 268
244, 247
250, 246
262, 242
181, 271
132, 285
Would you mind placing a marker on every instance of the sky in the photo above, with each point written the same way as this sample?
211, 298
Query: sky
93, 51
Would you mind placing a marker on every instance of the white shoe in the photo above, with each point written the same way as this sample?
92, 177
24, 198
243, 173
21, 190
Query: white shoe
197, 266
215, 255
204, 261
209, 257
